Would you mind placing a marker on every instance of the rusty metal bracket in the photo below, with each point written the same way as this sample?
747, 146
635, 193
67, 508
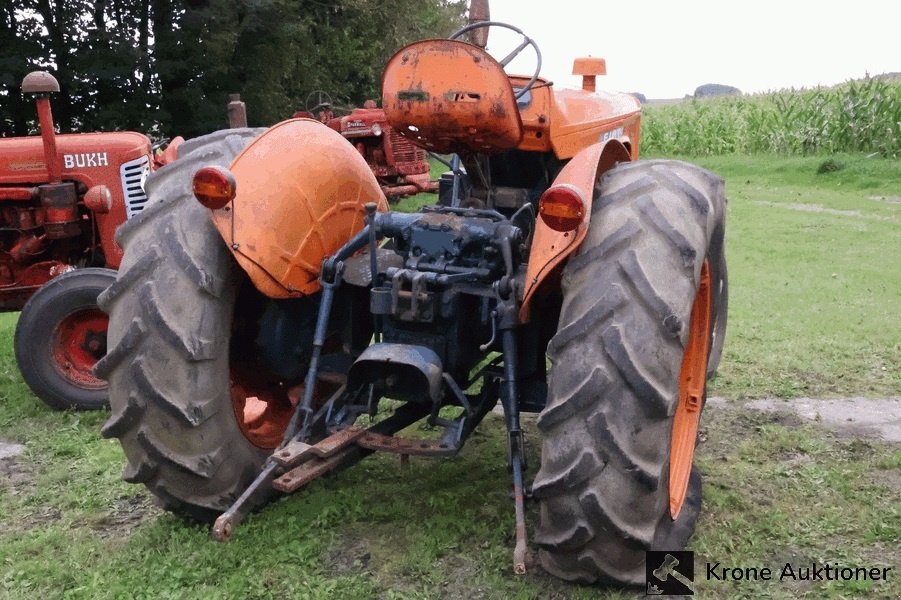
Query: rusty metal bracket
307, 462
408, 446
310, 470
509, 398
297, 452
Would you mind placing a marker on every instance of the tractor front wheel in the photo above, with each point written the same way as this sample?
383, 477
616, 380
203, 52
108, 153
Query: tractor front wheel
60, 336
643, 305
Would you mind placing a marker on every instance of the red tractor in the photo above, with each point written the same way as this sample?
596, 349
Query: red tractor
61, 199
249, 330
400, 167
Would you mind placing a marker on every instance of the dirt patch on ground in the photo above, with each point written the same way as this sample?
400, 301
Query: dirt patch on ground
348, 555
819, 208
14, 479
849, 417
17, 480
126, 514
373, 551
886, 199
8, 450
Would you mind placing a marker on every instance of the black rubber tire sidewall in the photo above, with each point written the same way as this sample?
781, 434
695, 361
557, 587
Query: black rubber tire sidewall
60, 297
171, 313
613, 387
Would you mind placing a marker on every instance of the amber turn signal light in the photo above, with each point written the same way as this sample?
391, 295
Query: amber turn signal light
214, 187
561, 207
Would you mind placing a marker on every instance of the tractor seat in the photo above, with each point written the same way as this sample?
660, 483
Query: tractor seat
450, 96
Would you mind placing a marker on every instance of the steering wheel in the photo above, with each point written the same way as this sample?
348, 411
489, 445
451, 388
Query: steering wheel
526, 41
320, 97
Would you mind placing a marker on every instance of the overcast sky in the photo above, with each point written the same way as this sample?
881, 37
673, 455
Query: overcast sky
664, 49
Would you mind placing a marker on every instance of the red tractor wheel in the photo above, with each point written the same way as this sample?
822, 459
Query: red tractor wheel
60, 336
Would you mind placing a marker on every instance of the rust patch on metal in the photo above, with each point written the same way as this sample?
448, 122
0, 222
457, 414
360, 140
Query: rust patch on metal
406, 446
450, 96
307, 472
298, 452
333, 443
498, 110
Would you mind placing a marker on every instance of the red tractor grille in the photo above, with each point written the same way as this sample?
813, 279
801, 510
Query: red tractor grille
408, 159
133, 174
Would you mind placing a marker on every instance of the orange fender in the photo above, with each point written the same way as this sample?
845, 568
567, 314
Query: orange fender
301, 188
550, 248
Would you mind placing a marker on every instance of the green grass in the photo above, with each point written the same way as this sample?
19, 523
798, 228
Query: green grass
814, 284
412, 203
813, 311
778, 491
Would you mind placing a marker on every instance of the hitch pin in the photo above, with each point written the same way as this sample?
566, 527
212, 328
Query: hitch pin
487, 344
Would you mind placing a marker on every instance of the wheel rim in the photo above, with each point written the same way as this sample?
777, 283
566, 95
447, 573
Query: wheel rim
79, 341
262, 407
692, 380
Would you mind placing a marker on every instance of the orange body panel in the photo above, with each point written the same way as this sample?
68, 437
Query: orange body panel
594, 130
450, 96
580, 118
535, 112
22, 162
567, 121
300, 196
550, 247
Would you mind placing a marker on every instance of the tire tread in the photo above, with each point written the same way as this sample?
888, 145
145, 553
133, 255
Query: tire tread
627, 299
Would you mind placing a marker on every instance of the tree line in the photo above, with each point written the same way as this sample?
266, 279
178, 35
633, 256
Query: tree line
165, 67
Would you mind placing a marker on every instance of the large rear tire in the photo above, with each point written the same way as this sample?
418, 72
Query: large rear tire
168, 364
654, 250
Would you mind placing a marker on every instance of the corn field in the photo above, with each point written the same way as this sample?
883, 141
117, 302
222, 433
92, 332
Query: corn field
858, 116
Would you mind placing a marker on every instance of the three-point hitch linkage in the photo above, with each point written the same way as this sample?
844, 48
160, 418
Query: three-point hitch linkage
428, 273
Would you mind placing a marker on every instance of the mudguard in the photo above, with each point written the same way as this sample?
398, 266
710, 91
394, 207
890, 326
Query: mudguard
301, 188
549, 247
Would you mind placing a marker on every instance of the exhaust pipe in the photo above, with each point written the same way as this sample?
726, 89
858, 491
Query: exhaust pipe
478, 12
41, 84
237, 112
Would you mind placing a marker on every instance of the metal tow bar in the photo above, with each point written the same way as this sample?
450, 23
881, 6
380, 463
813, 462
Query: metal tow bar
323, 456
515, 448
297, 463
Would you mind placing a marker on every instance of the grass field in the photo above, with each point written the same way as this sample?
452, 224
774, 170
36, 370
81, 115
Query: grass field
814, 279
815, 294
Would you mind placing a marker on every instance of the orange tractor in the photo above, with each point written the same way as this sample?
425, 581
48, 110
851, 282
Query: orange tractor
61, 199
251, 327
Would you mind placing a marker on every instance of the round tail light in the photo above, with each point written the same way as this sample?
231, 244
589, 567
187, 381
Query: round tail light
214, 187
561, 207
